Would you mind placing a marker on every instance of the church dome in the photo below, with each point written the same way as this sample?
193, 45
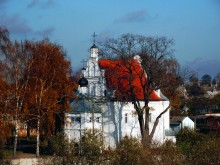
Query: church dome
83, 82
94, 46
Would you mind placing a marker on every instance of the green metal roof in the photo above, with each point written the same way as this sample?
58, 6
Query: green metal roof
84, 105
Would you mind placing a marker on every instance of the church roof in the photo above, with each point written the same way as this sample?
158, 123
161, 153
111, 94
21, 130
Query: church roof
94, 46
83, 82
119, 73
84, 105
177, 119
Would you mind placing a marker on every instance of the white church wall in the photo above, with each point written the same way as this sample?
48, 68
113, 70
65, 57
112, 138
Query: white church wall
76, 124
120, 119
116, 121
156, 108
71, 128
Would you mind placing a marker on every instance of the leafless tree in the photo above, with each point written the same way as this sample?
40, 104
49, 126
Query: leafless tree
160, 70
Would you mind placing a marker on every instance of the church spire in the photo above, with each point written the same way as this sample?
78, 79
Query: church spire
94, 48
94, 36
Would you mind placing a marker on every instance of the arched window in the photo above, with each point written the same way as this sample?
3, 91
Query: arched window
126, 118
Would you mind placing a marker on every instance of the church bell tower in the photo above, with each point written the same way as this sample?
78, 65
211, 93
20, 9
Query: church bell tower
94, 49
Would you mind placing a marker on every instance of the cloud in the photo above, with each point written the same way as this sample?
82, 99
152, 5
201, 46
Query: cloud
217, 3
203, 66
46, 32
2, 2
14, 24
19, 27
41, 4
138, 16
103, 36
33, 3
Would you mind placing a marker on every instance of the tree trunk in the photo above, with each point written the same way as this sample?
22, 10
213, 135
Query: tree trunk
143, 119
147, 139
38, 138
157, 121
28, 132
15, 138
142, 129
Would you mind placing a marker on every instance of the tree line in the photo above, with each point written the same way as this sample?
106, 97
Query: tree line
35, 85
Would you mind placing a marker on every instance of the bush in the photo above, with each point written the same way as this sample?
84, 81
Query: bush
60, 147
50, 160
192, 149
169, 154
186, 139
207, 151
130, 151
199, 148
92, 145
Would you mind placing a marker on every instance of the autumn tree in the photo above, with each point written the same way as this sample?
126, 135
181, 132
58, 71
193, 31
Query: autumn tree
195, 90
193, 79
199, 103
15, 59
160, 70
206, 79
217, 78
36, 84
49, 86
4, 37
5, 124
216, 102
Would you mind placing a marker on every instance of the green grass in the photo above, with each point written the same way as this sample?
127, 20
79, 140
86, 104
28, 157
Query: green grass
8, 152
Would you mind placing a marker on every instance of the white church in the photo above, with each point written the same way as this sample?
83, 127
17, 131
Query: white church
99, 108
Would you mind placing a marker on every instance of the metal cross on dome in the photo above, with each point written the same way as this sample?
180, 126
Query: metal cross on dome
83, 61
94, 35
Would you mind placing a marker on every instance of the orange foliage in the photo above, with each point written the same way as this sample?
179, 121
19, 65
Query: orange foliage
48, 82
123, 77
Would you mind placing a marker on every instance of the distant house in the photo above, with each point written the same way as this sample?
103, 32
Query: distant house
176, 124
179, 122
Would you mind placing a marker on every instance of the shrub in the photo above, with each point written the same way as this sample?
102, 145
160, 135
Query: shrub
186, 139
207, 151
169, 154
130, 151
91, 145
199, 148
62, 148
50, 160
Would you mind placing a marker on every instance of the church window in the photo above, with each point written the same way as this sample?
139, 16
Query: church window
150, 117
92, 89
97, 119
76, 119
94, 68
126, 118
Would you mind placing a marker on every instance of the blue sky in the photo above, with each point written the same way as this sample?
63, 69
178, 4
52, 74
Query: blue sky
193, 24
